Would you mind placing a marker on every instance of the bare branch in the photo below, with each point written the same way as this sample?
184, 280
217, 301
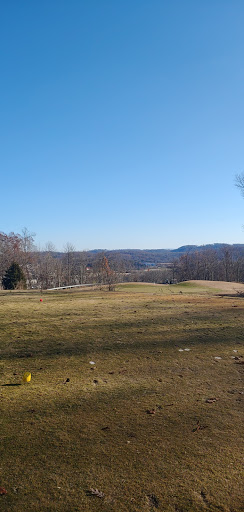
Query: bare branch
240, 182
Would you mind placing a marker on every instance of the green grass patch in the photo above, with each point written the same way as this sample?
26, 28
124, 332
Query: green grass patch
185, 287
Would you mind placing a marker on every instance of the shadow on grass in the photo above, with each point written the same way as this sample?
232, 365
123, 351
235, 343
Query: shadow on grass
4, 385
150, 343
168, 331
237, 295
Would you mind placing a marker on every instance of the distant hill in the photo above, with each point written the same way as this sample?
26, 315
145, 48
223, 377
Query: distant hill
142, 258
157, 256
216, 247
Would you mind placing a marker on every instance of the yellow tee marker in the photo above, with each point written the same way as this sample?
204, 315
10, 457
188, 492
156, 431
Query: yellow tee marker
27, 377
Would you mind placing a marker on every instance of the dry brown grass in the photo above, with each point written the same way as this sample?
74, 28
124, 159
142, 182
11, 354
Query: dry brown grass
137, 427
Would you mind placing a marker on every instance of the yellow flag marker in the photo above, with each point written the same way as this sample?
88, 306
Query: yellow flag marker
27, 377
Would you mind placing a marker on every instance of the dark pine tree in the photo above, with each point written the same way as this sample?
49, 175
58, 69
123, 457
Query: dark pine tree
13, 276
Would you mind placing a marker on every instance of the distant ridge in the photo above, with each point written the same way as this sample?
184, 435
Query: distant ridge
215, 247
141, 258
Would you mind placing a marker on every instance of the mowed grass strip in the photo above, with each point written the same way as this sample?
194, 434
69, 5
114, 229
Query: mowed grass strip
135, 425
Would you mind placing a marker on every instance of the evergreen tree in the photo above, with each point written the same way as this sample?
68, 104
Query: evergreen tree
13, 276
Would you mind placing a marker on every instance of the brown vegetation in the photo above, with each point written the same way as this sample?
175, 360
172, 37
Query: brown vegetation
79, 437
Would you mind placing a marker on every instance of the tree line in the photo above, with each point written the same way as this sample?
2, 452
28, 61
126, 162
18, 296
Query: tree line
224, 265
23, 266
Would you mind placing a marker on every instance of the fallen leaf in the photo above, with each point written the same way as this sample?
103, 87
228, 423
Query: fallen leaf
2, 491
199, 427
95, 492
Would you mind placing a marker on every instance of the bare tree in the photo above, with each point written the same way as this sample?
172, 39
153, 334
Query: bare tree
103, 274
69, 250
27, 254
240, 182
47, 274
82, 265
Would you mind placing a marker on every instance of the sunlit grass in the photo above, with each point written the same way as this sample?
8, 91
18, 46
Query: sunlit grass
136, 425
166, 289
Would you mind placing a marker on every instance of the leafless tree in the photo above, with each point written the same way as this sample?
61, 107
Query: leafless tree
27, 254
47, 268
240, 182
102, 272
82, 265
69, 250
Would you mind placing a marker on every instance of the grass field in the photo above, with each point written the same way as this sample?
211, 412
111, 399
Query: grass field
150, 426
187, 287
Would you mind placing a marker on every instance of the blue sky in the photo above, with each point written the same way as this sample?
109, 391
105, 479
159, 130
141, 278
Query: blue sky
122, 122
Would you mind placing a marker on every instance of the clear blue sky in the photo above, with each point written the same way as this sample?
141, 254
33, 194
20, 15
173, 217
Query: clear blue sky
122, 121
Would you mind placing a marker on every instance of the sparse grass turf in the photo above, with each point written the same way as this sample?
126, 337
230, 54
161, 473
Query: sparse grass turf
186, 287
59, 439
